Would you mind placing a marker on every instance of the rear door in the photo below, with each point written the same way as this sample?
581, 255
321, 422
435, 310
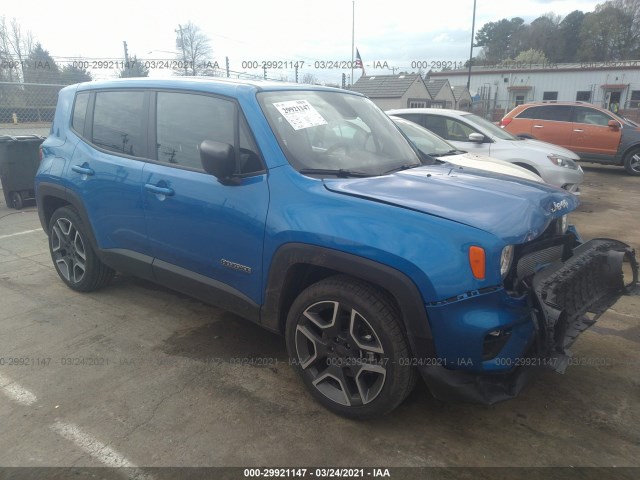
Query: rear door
206, 237
106, 167
592, 136
551, 123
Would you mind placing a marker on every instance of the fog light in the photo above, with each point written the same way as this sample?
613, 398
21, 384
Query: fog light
493, 343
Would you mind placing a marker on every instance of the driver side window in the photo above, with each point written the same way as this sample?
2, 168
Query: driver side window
449, 128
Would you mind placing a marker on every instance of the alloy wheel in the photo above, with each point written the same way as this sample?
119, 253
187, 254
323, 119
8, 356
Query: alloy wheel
341, 353
68, 250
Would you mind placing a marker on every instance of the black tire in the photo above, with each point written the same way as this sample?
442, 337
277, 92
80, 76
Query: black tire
632, 162
73, 256
15, 200
345, 340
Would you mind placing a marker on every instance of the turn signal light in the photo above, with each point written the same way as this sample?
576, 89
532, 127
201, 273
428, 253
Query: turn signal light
477, 261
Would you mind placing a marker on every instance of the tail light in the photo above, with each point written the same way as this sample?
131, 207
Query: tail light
505, 121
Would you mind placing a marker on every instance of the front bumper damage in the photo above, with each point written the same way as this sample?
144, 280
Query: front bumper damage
565, 299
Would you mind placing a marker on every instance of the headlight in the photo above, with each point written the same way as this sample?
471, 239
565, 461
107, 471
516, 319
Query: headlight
506, 257
562, 161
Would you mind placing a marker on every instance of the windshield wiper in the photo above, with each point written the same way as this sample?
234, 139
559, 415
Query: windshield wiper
445, 154
402, 167
338, 172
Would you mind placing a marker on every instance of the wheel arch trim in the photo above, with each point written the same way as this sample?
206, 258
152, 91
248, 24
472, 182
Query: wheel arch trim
400, 286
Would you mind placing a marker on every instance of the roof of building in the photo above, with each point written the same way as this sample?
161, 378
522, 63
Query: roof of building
459, 90
384, 86
434, 85
519, 67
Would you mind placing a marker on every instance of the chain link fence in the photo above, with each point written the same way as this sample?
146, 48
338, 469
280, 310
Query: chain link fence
27, 108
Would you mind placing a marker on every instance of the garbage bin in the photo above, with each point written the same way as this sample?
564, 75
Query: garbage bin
19, 161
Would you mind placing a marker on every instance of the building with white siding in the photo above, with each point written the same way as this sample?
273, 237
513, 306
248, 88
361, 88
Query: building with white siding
499, 88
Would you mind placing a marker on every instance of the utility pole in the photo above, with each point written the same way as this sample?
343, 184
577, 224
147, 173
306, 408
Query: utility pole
126, 55
296, 73
184, 54
227, 61
353, 32
265, 72
473, 28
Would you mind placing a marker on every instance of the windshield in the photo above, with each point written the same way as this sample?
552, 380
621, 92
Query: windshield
490, 128
425, 140
321, 130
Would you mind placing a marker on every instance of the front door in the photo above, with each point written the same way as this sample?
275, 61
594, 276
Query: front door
203, 233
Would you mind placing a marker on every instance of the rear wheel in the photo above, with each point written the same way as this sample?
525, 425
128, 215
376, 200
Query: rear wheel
15, 200
75, 260
632, 161
346, 342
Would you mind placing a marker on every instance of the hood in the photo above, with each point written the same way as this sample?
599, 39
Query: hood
545, 148
514, 210
489, 164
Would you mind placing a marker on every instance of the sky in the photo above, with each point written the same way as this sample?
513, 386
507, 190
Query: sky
390, 36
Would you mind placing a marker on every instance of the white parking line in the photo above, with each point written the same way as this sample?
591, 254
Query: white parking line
15, 392
98, 450
20, 233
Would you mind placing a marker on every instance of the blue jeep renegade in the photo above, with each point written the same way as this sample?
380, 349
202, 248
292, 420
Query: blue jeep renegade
305, 210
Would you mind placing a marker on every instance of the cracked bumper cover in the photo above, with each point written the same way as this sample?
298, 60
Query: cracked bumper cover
566, 298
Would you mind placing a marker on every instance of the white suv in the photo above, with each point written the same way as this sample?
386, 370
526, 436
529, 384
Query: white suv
556, 165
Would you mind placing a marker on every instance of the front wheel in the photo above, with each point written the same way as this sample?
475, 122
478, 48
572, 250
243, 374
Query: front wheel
73, 256
345, 340
632, 162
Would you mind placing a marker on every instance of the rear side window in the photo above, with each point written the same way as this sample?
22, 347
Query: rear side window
557, 113
80, 112
119, 122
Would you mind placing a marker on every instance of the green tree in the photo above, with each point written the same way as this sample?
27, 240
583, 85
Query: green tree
607, 34
41, 68
569, 30
134, 68
543, 34
501, 39
531, 57
71, 74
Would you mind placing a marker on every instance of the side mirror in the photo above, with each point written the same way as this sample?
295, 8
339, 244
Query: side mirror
219, 160
613, 124
476, 137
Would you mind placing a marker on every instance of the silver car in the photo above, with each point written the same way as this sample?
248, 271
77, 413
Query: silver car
466, 131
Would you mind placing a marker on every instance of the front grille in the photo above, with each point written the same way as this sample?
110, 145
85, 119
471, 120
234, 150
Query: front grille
530, 263
531, 257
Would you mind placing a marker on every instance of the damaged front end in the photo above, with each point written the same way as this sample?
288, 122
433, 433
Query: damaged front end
570, 295
564, 287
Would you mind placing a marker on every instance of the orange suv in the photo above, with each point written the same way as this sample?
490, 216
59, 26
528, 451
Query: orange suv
594, 133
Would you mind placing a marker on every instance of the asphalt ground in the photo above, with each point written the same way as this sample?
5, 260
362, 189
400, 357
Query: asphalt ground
138, 376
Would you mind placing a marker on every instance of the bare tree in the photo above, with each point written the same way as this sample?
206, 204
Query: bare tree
310, 79
194, 52
15, 48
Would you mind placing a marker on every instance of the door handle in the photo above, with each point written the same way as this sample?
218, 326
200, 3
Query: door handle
82, 170
578, 130
159, 190
538, 126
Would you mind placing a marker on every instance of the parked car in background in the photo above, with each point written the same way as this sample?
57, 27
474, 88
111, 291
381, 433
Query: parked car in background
595, 134
556, 165
431, 144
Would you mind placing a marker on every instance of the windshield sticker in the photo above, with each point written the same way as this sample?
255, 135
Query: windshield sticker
300, 114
